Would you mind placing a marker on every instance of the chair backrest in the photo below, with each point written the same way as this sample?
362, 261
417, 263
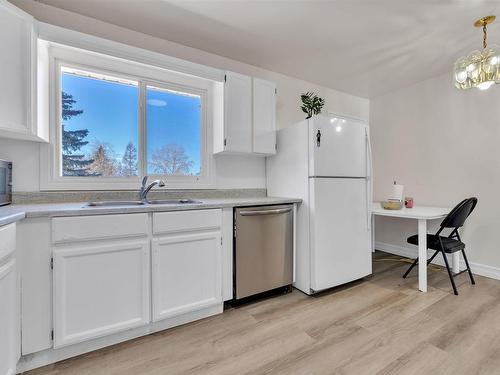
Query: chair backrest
457, 216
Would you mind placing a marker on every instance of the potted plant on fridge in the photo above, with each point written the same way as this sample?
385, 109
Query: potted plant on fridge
311, 104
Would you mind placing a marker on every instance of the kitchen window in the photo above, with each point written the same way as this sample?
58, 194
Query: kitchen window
117, 121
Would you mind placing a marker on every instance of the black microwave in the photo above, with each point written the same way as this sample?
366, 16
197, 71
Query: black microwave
5, 182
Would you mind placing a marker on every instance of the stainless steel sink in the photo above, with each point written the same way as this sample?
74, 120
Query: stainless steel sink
115, 203
141, 203
173, 201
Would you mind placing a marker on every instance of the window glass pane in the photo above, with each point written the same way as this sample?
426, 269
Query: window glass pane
173, 132
99, 124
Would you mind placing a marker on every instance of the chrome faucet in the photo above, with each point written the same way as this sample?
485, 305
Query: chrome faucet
145, 189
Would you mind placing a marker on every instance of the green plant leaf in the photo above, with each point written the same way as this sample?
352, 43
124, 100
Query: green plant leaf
311, 104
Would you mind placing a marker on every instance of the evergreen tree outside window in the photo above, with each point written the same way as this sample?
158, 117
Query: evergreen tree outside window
129, 161
74, 163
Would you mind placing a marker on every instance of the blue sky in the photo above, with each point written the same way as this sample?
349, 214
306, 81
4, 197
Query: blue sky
174, 118
110, 114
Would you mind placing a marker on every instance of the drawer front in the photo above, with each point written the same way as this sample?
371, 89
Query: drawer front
7, 240
182, 221
82, 228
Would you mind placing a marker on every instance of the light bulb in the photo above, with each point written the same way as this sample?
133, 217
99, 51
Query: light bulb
338, 128
461, 76
485, 85
332, 120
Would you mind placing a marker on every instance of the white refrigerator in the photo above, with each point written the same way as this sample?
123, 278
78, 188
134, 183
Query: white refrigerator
326, 161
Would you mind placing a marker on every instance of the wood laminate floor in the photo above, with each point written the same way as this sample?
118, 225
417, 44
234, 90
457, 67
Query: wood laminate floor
380, 325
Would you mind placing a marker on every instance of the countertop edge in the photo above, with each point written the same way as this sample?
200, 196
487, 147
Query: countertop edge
11, 218
13, 213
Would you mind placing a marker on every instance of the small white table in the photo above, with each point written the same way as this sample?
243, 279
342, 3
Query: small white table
422, 214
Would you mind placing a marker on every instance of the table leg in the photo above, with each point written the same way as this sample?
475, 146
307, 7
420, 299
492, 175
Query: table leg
422, 255
455, 265
373, 233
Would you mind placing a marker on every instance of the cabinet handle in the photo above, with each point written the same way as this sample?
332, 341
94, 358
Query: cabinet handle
318, 138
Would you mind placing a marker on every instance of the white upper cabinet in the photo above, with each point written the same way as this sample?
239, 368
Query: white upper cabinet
237, 113
264, 117
18, 64
247, 122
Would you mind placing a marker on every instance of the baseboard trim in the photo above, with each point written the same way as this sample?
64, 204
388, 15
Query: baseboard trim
407, 252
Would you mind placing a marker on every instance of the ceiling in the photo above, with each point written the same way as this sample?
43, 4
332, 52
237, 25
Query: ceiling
363, 47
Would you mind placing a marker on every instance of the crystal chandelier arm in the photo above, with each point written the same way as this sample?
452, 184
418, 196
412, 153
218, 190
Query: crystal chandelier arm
484, 36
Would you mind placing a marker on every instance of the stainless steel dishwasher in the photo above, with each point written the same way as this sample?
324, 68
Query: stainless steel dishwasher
263, 251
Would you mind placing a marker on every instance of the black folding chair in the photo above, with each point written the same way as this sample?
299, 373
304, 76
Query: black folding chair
451, 244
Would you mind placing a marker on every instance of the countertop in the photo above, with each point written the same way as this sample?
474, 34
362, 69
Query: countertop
16, 212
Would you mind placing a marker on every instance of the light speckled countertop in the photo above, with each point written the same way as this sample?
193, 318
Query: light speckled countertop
10, 214
16, 212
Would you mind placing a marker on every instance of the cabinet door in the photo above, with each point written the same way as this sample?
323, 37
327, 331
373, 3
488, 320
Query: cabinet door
9, 319
264, 117
187, 273
17, 72
238, 113
100, 290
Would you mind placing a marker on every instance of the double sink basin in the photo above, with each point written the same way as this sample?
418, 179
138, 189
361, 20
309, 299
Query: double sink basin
142, 203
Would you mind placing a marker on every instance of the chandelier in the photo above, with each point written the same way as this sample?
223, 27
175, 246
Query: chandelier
480, 69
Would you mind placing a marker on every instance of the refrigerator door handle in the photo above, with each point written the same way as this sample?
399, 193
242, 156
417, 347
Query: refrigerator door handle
369, 183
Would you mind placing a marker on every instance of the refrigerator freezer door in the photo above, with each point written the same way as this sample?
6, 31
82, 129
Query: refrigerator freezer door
337, 147
340, 234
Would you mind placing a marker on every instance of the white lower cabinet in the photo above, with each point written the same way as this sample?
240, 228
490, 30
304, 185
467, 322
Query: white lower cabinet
187, 273
9, 318
113, 277
100, 289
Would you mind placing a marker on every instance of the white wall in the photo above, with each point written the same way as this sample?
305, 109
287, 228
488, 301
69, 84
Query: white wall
232, 172
443, 145
26, 160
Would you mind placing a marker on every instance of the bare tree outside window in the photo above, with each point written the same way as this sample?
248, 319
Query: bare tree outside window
104, 163
171, 159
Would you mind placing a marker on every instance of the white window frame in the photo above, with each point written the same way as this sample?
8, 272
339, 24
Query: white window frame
51, 160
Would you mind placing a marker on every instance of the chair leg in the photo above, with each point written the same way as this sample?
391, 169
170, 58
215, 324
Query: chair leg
432, 257
468, 268
409, 269
416, 262
450, 273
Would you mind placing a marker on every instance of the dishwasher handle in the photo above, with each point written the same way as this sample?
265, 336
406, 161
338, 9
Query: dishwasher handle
265, 212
